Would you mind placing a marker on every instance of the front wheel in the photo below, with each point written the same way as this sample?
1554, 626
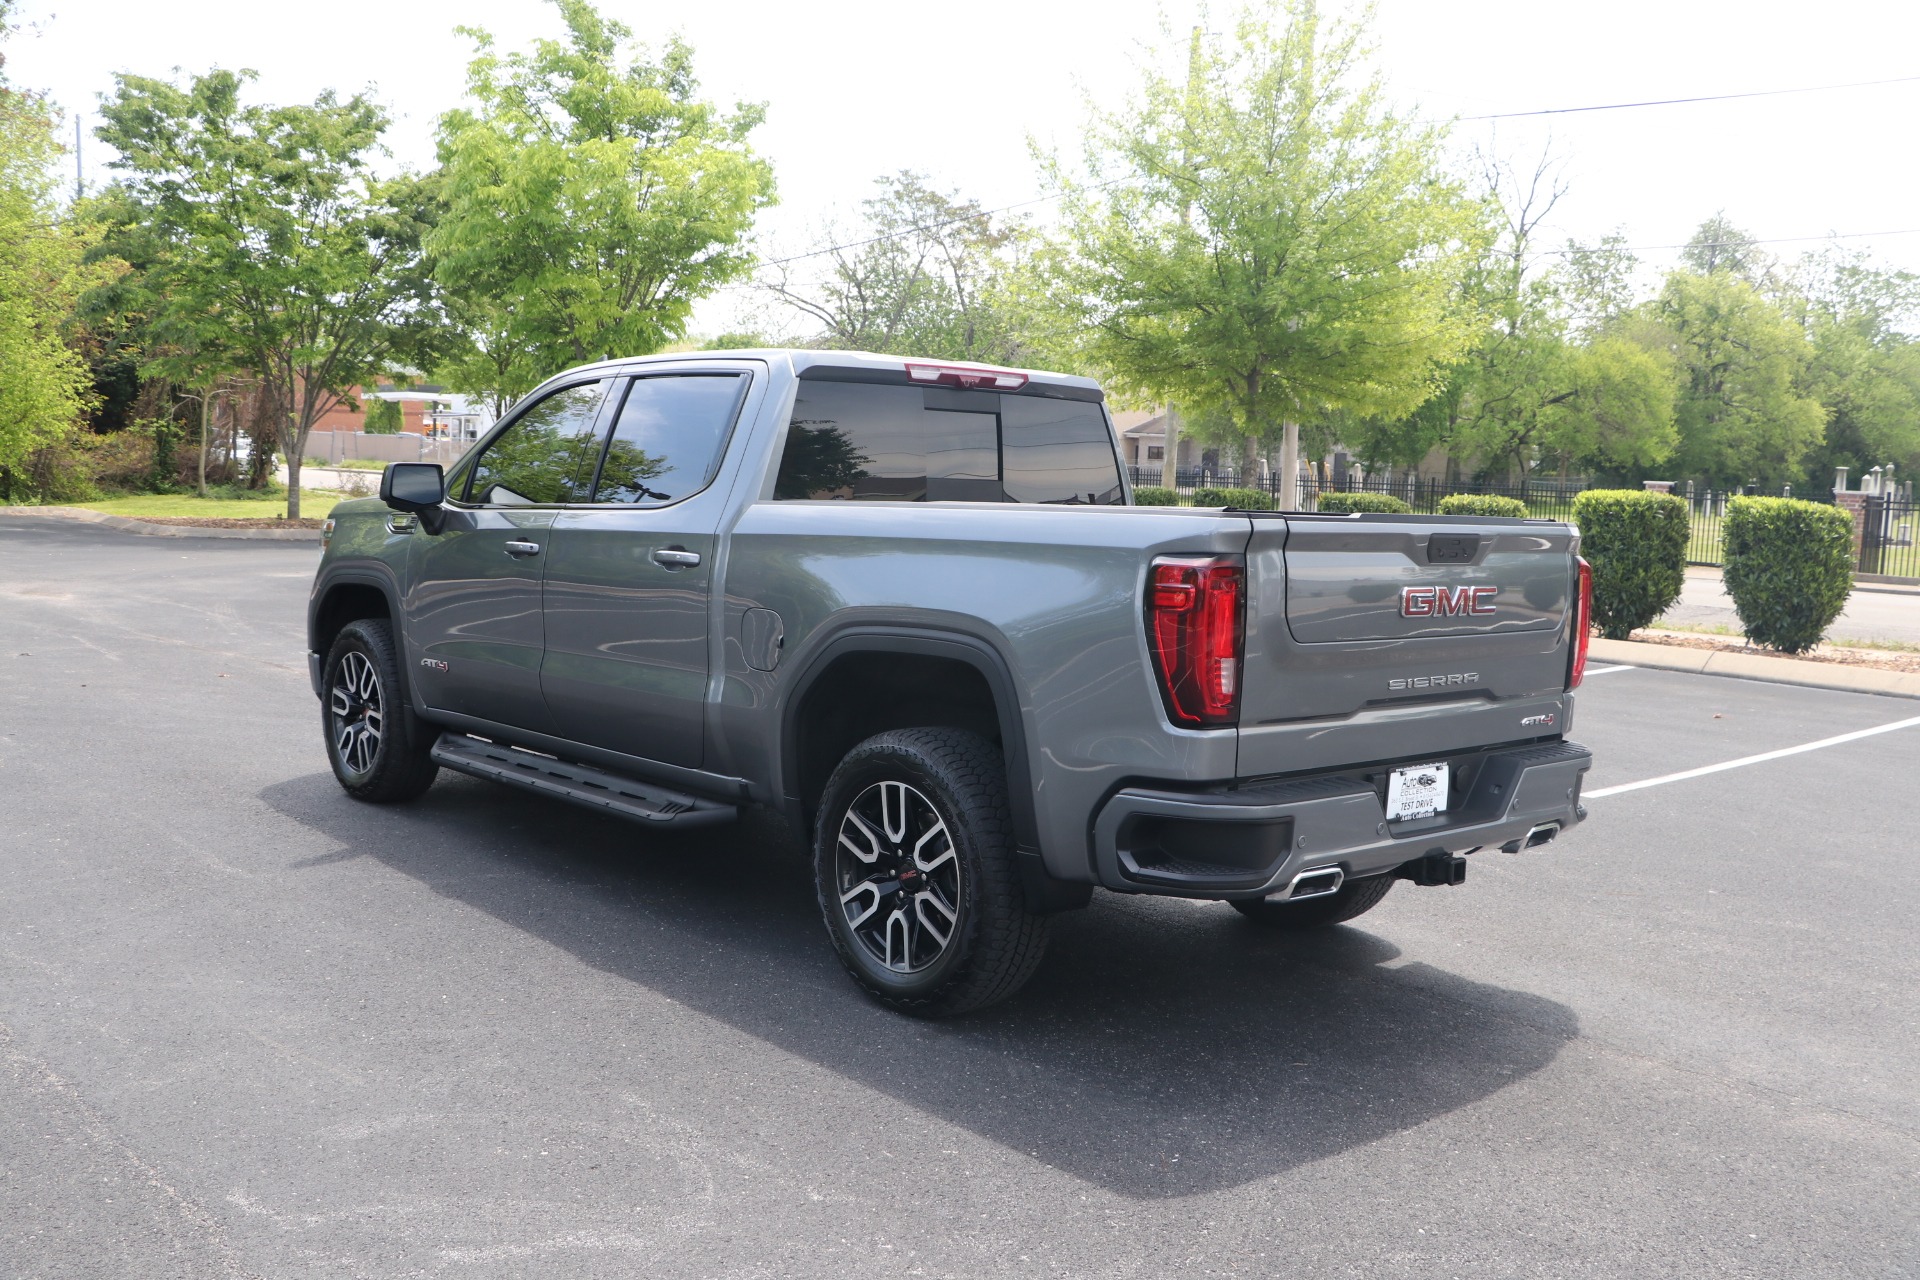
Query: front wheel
1354, 898
914, 866
379, 750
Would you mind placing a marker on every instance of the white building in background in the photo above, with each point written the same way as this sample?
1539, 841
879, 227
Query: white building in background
443, 415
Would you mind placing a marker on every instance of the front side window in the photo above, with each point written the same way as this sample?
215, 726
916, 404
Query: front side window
913, 444
546, 456
667, 439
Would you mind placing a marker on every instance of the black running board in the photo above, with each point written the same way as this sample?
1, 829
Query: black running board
581, 783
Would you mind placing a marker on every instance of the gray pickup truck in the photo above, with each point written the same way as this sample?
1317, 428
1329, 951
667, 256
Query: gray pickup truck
910, 606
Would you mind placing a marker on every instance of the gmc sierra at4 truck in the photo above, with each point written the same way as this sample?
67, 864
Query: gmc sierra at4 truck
910, 606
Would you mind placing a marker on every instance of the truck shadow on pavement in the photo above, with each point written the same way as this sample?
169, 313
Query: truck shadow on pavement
1161, 1051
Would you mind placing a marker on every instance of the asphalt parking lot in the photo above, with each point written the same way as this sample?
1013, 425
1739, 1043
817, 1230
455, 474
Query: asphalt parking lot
251, 1028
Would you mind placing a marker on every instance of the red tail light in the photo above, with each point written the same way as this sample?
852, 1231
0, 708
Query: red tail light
1582, 625
1196, 611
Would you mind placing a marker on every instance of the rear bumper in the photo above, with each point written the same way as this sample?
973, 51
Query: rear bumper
1257, 840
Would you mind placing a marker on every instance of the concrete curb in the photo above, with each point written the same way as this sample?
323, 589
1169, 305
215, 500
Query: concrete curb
1755, 666
125, 525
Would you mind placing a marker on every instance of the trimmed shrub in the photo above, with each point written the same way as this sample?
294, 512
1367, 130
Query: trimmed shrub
1637, 544
1245, 499
1154, 496
1482, 504
1789, 569
1378, 503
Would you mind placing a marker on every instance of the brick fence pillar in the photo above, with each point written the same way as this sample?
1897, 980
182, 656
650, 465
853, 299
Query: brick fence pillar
1855, 505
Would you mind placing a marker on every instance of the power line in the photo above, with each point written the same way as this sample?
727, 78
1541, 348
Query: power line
1501, 115
1675, 102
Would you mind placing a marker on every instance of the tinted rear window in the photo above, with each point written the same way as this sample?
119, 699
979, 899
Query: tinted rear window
854, 440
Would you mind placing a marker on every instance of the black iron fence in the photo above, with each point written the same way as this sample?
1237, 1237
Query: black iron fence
1891, 546
1548, 498
1888, 543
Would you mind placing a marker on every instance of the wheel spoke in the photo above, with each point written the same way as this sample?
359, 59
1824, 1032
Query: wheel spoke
893, 810
872, 851
898, 928
945, 848
941, 925
846, 900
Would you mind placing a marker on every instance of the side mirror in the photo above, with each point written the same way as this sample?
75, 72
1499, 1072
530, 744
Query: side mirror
413, 486
418, 488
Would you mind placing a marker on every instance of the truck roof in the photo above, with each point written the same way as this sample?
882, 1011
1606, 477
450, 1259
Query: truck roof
862, 366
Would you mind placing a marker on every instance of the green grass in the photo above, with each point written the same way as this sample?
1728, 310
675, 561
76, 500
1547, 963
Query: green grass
348, 464
1734, 633
313, 503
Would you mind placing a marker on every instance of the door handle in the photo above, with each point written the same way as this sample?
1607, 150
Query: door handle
521, 550
675, 558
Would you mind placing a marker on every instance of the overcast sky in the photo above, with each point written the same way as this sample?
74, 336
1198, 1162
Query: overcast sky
858, 88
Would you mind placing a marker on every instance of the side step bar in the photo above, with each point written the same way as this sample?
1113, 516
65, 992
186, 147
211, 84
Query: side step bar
581, 783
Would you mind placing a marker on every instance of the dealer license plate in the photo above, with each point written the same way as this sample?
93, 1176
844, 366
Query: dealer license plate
1417, 791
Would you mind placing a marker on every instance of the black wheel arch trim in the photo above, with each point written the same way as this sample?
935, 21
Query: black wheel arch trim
1044, 892
356, 576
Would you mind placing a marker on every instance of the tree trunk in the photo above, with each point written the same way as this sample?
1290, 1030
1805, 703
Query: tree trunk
206, 433
1290, 466
1170, 455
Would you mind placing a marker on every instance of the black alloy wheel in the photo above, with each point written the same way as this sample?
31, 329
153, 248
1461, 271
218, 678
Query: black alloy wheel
898, 878
914, 868
380, 751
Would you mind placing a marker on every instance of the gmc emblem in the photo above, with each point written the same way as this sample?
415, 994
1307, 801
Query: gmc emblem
1444, 602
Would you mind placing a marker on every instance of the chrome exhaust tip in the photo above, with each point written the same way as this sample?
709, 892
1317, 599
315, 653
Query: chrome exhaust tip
1317, 883
1542, 834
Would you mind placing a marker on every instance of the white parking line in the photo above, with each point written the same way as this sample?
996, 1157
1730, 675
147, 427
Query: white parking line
1601, 671
1746, 760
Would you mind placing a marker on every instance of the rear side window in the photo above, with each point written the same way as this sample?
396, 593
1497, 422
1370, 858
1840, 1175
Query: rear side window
667, 438
1057, 451
856, 441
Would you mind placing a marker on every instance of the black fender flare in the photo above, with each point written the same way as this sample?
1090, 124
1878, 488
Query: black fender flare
355, 576
1044, 893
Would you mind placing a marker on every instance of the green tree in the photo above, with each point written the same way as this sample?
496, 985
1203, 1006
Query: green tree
924, 273
1534, 392
384, 417
275, 239
1865, 364
1265, 238
44, 384
1719, 247
590, 198
1741, 410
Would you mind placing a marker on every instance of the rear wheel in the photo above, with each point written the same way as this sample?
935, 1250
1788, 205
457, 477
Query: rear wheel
378, 748
1354, 898
914, 866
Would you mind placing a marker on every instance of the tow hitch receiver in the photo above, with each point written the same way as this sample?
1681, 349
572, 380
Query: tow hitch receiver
1437, 868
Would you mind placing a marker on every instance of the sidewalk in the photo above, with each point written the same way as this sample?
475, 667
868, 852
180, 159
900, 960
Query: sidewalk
1875, 611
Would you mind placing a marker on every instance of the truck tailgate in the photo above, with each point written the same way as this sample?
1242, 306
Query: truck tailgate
1376, 637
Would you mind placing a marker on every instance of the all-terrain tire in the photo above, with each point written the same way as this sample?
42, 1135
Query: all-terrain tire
934, 776
1354, 898
380, 750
